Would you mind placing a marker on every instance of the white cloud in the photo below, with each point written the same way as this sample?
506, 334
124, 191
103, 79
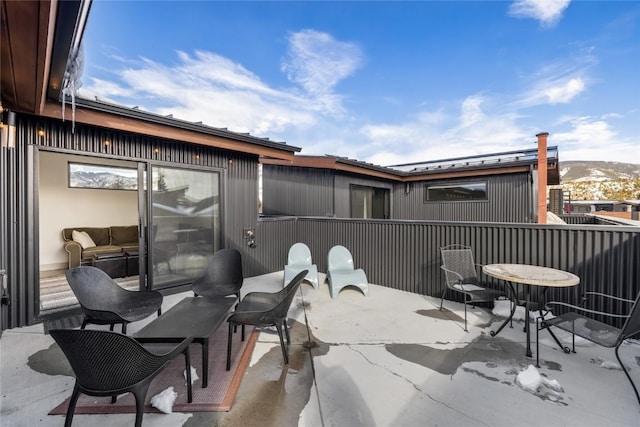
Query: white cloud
438, 135
565, 92
318, 62
222, 93
592, 138
557, 82
548, 12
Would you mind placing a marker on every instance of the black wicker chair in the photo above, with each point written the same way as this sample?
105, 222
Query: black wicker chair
109, 364
222, 277
265, 309
579, 320
104, 302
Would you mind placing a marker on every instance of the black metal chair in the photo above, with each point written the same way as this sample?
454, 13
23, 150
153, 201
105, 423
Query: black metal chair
222, 277
104, 302
108, 364
579, 321
461, 276
265, 309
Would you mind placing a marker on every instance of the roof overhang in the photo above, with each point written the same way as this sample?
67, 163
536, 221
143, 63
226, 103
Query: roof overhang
374, 171
143, 123
26, 42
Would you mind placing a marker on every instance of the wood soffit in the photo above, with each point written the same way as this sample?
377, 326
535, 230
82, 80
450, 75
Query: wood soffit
26, 38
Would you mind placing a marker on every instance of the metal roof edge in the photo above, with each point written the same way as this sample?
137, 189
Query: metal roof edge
146, 116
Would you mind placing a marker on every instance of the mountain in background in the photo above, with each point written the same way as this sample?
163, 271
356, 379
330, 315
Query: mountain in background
599, 180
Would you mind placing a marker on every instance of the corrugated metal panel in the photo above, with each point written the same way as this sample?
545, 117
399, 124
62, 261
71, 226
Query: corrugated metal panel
19, 200
405, 255
241, 206
105, 143
297, 191
509, 200
16, 220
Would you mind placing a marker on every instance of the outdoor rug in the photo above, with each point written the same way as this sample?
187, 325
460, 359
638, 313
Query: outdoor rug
218, 396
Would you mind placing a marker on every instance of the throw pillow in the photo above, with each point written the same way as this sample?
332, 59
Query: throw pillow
83, 238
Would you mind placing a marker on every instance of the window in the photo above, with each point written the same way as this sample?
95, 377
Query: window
456, 192
369, 202
84, 175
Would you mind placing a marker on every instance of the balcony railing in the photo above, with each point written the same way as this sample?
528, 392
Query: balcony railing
405, 255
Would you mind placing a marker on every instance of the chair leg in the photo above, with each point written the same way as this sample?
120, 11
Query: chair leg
465, 314
159, 312
72, 406
84, 323
242, 333
187, 364
442, 299
124, 328
286, 330
231, 325
282, 345
205, 363
537, 342
111, 327
140, 394
625, 371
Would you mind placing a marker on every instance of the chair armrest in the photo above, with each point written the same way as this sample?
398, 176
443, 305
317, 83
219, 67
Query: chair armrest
171, 354
608, 296
582, 309
259, 297
458, 275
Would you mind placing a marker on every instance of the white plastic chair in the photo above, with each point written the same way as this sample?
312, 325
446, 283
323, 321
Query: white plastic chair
341, 272
299, 259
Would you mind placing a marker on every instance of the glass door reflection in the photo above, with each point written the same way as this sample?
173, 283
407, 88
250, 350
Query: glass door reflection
185, 224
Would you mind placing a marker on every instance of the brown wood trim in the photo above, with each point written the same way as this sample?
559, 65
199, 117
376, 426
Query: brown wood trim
331, 163
45, 47
467, 173
368, 172
127, 124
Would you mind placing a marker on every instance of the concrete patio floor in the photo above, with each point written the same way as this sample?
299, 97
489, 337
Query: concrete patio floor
388, 359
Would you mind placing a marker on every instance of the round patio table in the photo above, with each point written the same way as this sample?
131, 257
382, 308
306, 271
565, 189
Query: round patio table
529, 275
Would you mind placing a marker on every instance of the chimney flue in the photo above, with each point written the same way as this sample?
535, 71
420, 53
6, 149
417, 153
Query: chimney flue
542, 177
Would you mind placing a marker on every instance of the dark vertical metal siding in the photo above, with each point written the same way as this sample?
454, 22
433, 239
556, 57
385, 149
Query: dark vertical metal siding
406, 255
91, 140
297, 191
18, 231
15, 238
241, 206
509, 200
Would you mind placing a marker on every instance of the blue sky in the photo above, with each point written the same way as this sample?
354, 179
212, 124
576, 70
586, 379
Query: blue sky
383, 82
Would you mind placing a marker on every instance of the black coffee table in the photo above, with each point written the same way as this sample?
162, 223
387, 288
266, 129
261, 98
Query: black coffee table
196, 317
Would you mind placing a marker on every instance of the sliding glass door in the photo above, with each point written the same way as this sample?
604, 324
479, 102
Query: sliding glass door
184, 224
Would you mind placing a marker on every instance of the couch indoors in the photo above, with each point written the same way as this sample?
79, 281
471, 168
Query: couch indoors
107, 240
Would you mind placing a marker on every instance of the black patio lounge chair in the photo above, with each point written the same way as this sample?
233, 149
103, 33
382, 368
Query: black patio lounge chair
222, 277
461, 276
265, 309
104, 302
579, 321
108, 364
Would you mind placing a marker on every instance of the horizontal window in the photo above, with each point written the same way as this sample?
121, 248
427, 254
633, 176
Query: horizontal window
456, 192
